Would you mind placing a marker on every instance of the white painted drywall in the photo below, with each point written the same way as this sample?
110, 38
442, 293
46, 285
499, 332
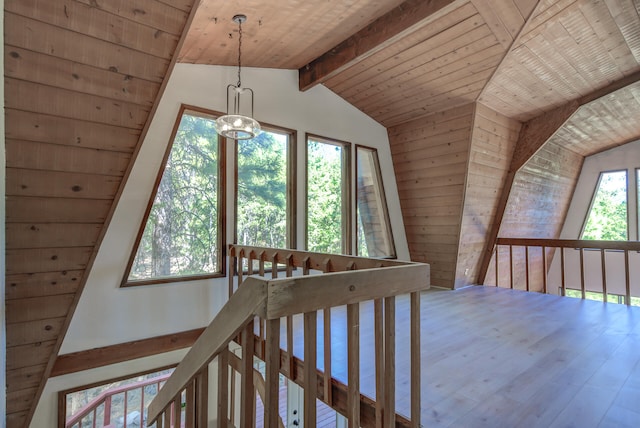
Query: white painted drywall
108, 314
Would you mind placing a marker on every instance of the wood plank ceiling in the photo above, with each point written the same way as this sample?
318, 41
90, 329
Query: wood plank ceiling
453, 80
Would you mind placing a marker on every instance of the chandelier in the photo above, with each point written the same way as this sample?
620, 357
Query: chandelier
234, 124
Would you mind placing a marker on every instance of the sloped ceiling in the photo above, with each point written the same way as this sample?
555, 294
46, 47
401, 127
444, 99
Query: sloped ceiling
82, 77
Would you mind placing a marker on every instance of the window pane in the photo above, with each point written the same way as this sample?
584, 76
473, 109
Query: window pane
607, 219
181, 233
374, 233
325, 196
262, 190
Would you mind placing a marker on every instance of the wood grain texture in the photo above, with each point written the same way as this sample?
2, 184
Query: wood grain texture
81, 79
493, 142
430, 157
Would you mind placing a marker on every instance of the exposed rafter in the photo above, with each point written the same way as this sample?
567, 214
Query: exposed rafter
404, 19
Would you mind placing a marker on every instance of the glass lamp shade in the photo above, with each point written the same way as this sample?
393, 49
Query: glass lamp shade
237, 127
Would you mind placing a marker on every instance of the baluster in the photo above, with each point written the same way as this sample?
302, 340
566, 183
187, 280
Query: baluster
261, 258
202, 398
274, 266
159, 423
582, 288
497, 257
563, 285
93, 419
142, 401
272, 370
390, 361
544, 270
290, 368
511, 264
526, 266
232, 268
125, 409
247, 390
604, 274
310, 364
167, 415
353, 358
223, 388
240, 267
177, 410
415, 359
626, 278
107, 410
189, 409
326, 318
305, 265
379, 351
252, 255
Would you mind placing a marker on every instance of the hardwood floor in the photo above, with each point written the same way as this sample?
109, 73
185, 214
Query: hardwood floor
506, 358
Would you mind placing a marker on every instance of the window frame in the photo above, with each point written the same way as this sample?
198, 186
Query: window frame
291, 184
62, 395
383, 196
221, 221
346, 185
593, 198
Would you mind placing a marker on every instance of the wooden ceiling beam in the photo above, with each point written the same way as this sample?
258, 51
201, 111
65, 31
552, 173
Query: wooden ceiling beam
533, 135
394, 25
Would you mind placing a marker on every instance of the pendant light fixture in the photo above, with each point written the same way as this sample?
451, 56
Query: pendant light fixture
234, 124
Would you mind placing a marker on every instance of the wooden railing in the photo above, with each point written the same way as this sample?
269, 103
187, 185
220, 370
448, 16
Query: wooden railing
558, 265
89, 413
296, 287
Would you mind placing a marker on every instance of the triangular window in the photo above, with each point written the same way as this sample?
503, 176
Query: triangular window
182, 234
607, 219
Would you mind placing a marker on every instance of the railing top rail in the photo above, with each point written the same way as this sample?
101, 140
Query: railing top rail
296, 295
336, 262
570, 243
88, 408
274, 298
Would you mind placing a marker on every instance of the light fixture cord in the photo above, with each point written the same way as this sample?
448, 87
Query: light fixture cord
239, 51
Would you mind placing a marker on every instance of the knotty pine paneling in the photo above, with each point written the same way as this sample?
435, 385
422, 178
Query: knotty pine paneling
97, 23
493, 141
45, 128
430, 185
26, 33
536, 207
25, 285
67, 74
52, 157
81, 78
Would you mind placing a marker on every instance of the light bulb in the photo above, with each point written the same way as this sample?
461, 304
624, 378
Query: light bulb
237, 123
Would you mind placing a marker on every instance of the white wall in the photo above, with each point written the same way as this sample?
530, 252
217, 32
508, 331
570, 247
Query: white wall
619, 158
107, 314
623, 157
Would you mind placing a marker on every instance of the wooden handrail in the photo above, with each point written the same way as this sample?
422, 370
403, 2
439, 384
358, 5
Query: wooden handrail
291, 296
247, 303
542, 264
359, 279
571, 243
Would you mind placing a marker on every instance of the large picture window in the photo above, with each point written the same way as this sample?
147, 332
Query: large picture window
327, 226
374, 237
607, 218
264, 190
181, 238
